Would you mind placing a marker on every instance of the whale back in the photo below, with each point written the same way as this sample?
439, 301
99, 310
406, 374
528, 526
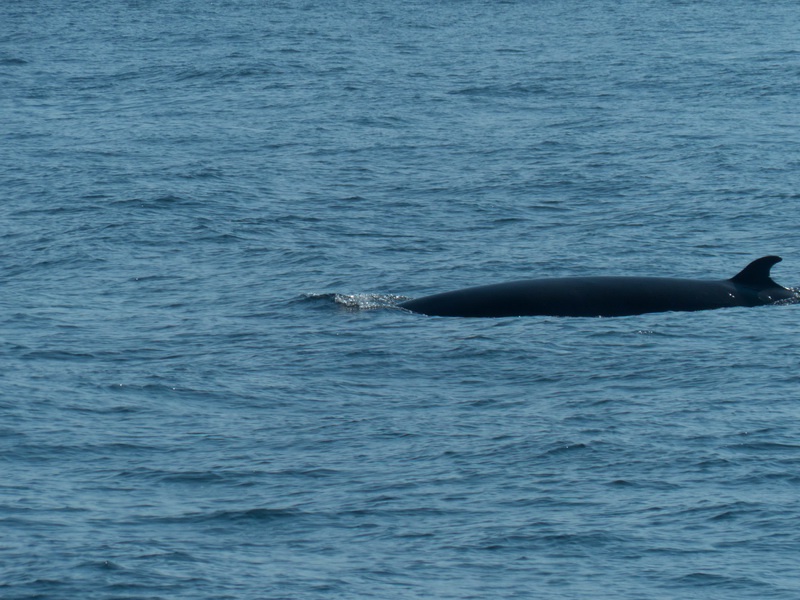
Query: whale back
607, 296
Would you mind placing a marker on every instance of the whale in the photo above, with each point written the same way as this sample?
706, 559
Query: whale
607, 296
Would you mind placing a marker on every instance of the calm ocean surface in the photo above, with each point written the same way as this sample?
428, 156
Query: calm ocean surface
209, 208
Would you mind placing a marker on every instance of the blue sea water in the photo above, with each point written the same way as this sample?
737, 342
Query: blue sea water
208, 210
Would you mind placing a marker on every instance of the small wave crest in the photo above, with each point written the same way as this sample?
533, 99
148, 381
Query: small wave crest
355, 302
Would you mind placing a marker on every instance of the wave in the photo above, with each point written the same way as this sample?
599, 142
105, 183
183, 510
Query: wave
354, 302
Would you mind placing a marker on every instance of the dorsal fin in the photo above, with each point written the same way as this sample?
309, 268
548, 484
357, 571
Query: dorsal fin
756, 274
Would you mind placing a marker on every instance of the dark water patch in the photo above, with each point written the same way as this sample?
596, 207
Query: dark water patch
380, 122
566, 448
164, 202
718, 512
101, 566
784, 477
166, 391
12, 61
622, 483
42, 452
560, 545
60, 210
200, 172
315, 473
36, 523
701, 579
252, 515
505, 91
64, 355
165, 556
762, 446
190, 478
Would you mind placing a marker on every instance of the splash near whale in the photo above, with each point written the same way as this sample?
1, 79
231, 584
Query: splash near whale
607, 296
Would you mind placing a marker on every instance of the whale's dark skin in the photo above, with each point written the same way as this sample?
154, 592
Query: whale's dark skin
606, 296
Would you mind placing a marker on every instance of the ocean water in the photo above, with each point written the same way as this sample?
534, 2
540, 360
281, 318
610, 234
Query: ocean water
209, 209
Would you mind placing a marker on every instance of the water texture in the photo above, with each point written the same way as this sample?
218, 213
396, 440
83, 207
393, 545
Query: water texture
209, 209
